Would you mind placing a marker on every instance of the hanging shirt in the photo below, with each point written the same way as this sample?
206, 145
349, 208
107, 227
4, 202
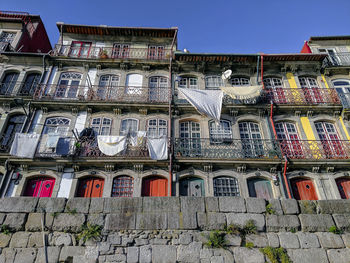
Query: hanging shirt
158, 148
24, 145
111, 145
206, 102
137, 138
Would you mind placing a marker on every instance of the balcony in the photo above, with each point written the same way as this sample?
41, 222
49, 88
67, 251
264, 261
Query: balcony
338, 59
65, 147
15, 89
345, 100
316, 150
226, 149
93, 52
127, 94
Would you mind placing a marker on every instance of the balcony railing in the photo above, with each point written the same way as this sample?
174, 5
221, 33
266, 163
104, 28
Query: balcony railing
226, 148
345, 100
103, 93
339, 59
316, 150
17, 89
94, 52
88, 148
65, 147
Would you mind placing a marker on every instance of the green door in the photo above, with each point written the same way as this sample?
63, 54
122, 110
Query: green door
260, 188
192, 187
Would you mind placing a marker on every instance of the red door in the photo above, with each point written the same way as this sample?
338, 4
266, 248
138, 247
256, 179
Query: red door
39, 187
90, 187
303, 189
344, 187
155, 186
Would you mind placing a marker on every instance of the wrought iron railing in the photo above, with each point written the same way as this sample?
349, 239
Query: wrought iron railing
316, 149
103, 93
345, 100
65, 147
93, 52
17, 89
88, 147
226, 148
339, 59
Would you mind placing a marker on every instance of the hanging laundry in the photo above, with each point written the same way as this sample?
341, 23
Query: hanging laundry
158, 148
137, 138
64, 146
243, 92
206, 102
111, 145
52, 140
24, 145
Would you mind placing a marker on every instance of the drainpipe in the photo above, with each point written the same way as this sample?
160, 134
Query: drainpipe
262, 70
170, 148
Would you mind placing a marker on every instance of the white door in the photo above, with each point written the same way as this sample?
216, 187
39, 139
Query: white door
133, 84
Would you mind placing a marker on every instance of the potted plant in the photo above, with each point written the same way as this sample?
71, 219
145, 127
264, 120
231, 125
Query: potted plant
104, 54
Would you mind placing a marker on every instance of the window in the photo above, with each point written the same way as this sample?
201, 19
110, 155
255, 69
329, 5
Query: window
240, 82
220, 133
122, 186
80, 49
59, 125
213, 82
190, 141
188, 82
252, 144
157, 128
158, 89
101, 126
8, 83
275, 90
30, 84
331, 55
7, 37
14, 125
289, 139
68, 85
310, 89
226, 186
129, 126
133, 84
329, 139
156, 52
343, 89
107, 87
121, 51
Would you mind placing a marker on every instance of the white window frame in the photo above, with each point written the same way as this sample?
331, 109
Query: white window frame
128, 130
213, 82
219, 133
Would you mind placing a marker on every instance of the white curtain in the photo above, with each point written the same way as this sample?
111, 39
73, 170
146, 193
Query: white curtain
24, 145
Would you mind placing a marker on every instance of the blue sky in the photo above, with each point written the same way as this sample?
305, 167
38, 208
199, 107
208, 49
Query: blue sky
216, 26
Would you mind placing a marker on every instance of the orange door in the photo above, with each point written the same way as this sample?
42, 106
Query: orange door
344, 187
303, 189
155, 186
90, 187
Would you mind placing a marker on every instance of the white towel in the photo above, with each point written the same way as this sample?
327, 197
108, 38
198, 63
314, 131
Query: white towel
206, 102
52, 140
24, 145
158, 148
111, 145
136, 139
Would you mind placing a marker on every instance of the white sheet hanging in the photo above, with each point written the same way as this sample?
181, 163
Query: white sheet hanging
137, 138
158, 148
243, 92
207, 102
111, 145
24, 145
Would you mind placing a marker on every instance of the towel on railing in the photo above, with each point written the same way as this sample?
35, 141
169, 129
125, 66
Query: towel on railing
137, 138
158, 148
243, 92
24, 145
111, 145
52, 140
206, 102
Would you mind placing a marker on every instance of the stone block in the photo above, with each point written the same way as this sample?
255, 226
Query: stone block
15, 221
308, 240
211, 221
289, 206
159, 241
123, 205
341, 206
342, 221
289, 240
51, 205
185, 239
68, 252
314, 223
141, 241
233, 240
25, 255
205, 253
330, 240
273, 239
174, 220
78, 205
308, 255
4, 240
61, 239
246, 255
346, 239
188, 220
255, 205
96, 205
161, 204
132, 255
339, 255
96, 219
68, 222
151, 220
116, 258
9, 254
307, 207
258, 240
241, 219
18, 204
2, 218
33, 222
189, 253
211, 204
163, 254
232, 204
192, 204
275, 223
36, 240
114, 239
52, 255
276, 206
217, 259
145, 254
120, 221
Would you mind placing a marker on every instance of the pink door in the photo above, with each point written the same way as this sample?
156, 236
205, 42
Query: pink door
39, 187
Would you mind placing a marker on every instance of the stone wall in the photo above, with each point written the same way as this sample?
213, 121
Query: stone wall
171, 229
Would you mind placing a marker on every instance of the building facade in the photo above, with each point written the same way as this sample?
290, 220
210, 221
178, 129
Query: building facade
290, 141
